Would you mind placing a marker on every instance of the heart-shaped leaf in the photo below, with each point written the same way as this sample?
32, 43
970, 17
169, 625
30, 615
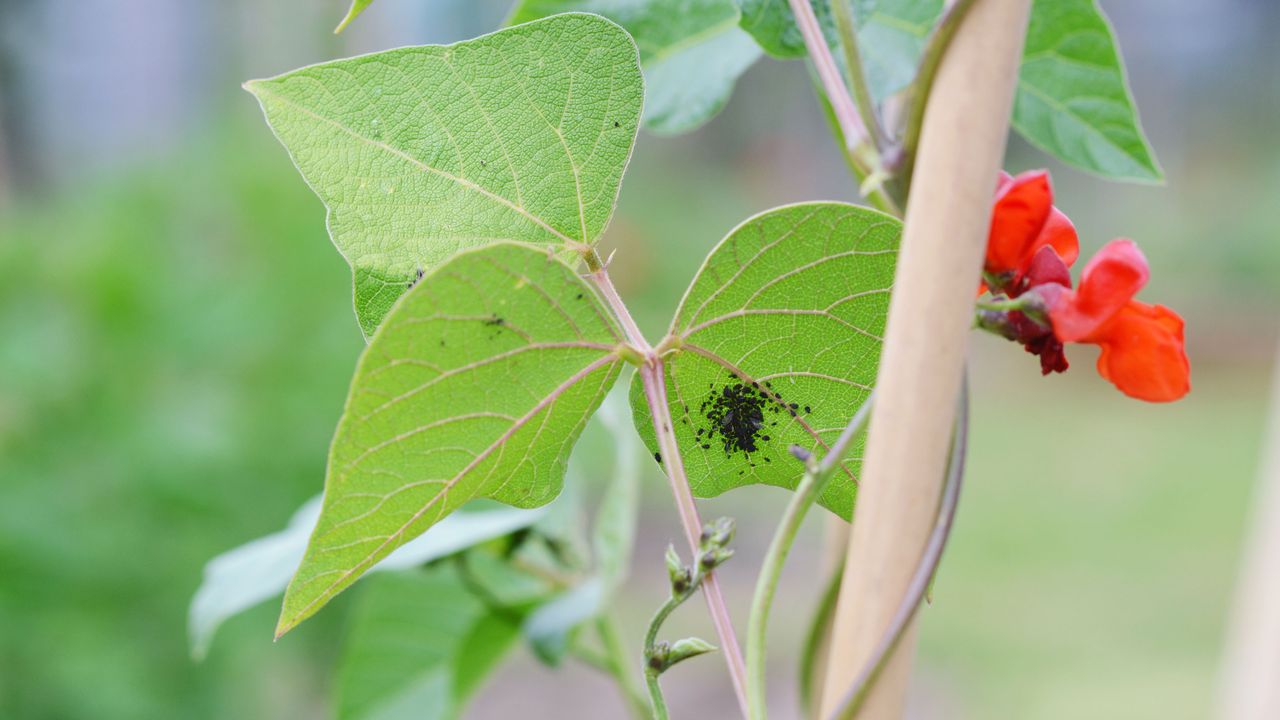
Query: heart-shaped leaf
477, 385
777, 343
1073, 100
421, 152
692, 52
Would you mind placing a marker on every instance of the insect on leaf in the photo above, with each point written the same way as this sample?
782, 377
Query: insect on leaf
421, 152
477, 385
692, 53
778, 344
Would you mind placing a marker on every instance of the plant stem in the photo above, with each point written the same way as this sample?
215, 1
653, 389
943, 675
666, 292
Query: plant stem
654, 381
811, 485
857, 694
600, 276
658, 702
841, 102
619, 665
918, 92
862, 157
653, 378
1002, 305
843, 12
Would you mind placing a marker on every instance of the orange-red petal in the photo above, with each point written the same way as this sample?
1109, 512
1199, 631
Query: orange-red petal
1022, 207
1108, 283
1144, 354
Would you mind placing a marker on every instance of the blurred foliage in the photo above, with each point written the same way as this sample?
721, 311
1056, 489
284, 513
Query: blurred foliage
178, 342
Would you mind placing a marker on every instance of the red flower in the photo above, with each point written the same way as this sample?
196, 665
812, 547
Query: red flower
1024, 220
1142, 345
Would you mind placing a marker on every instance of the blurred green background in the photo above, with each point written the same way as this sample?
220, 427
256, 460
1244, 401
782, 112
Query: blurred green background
176, 338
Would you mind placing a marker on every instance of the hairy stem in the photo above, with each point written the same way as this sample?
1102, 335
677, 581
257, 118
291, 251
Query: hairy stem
856, 695
618, 663
918, 92
815, 480
843, 12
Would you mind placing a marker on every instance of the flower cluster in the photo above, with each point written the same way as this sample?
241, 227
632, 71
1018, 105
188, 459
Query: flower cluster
1030, 249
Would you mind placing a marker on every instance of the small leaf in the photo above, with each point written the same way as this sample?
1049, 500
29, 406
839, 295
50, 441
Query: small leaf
477, 385
420, 645
778, 344
357, 7
421, 152
260, 570
691, 53
686, 648
1073, 100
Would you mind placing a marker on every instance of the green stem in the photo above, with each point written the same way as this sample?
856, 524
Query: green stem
618, 662
810, 689
843, 12
815, 480
859, 163
1005, 305
658, 702
918, 92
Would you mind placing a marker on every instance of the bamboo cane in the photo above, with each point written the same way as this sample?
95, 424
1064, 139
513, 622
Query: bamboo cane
961, 148
1249, 688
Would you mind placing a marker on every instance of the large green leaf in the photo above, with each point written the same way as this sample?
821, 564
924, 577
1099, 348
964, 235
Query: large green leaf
778, 344
692, 52
420, 645
420, 152
477, 385
1073, 100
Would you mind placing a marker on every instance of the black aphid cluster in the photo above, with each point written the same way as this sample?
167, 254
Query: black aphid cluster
737, 416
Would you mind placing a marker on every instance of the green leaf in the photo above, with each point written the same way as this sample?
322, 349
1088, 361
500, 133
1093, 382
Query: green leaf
420, 152
477, 385
795, 300
1073, 100
420, 645
550, 628
260, 570
891, 36
692, 53
357, 7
